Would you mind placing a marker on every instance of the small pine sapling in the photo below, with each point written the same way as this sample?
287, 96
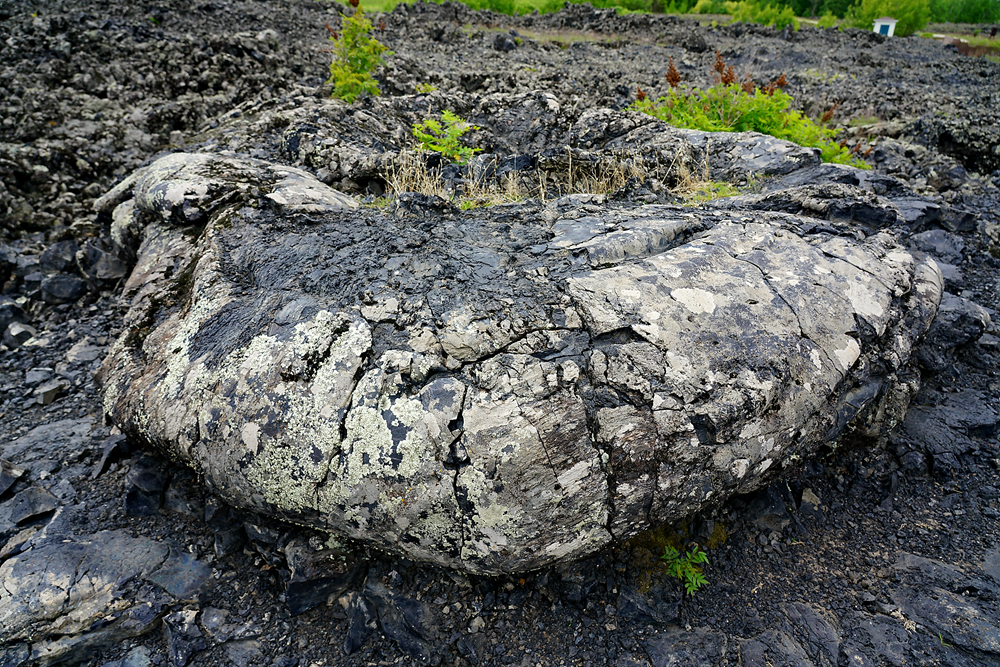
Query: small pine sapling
356, 55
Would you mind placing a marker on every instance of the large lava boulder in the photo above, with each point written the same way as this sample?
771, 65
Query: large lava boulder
503, 388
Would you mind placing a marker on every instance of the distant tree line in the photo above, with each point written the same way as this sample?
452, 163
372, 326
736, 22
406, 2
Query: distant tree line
936, 11
912, 15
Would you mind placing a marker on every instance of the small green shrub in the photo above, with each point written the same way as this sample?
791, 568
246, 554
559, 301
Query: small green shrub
828, 20
444, 137
749, 11
733, 106
687, 568
356, 55
425, 88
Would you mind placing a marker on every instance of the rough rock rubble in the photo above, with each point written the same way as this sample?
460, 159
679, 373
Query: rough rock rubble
862, 555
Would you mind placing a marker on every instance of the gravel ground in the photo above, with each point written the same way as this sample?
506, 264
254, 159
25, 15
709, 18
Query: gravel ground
872, 554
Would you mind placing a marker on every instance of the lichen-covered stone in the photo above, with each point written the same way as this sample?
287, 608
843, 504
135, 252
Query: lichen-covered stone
498, 389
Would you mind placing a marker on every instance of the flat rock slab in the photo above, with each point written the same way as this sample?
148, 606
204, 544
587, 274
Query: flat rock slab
65, 596
499, 389
956, 604
49, 443
947, 428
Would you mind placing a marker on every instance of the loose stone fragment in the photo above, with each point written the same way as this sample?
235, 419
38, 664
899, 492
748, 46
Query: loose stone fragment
32, 503
9, 474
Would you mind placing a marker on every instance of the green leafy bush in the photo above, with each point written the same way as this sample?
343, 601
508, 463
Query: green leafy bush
965, 11
678, 6
748, 11
828, 20
356, 56
444, 137
687, 568
731, 106
708, 7
911, 15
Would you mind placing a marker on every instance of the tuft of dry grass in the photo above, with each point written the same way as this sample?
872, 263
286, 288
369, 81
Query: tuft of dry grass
572, 172
408, 172
563, 174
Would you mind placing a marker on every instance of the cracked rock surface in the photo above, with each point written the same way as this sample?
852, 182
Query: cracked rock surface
496, 390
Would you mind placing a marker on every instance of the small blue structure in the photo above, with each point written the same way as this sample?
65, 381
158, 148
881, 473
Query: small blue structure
885, 26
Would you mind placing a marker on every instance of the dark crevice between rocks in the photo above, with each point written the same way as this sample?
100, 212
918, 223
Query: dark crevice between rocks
590, 411
459, 458
621, 336
465, 506
342, 424
503, 349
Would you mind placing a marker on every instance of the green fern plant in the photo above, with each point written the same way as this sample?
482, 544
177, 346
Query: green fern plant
443, 136
356, 55
686, 567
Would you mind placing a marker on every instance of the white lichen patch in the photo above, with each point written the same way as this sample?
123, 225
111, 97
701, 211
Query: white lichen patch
848, 354
250, 436
289, 468
864, 301
694, 299
571, 480
630, 295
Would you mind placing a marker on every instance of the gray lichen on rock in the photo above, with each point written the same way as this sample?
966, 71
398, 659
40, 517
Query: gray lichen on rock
497, 391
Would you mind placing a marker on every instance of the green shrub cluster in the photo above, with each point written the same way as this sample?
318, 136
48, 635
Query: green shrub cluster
777, 15
678, 6
735, 107
760, 11
356, 56
965, 11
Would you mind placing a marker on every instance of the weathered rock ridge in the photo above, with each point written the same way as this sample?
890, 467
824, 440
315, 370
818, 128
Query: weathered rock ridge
503, 388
